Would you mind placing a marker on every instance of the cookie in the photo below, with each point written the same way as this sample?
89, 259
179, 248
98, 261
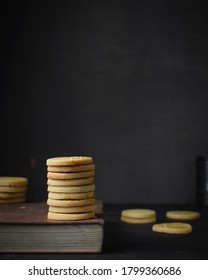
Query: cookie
5, 195
70, 203
172, 228
69, 176
67, 161
71, 217
138, 220
75, 189
12, 189
183, 215
13, 182
77, 209
54, 195
75, 168
138, 213
12, 200
73, 182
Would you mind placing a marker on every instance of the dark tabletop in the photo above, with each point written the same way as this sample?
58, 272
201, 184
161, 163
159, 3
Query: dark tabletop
131, 241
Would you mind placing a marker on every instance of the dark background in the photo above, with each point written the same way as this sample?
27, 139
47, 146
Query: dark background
125, 82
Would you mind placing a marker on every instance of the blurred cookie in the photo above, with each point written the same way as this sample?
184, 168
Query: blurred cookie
183, 215
172, 228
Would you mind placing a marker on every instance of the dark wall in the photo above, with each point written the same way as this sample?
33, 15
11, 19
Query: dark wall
125, 82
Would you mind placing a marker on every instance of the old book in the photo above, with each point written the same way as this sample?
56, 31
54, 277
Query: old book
25, 228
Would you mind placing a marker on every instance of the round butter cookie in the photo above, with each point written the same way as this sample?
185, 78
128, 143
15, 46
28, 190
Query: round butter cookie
54, 195
172, 228
77, 209
183, 215
12, 189
5, 195
75, 189
12, 200
67, 161
70, 203
72, 168
71, 217
72, 182
13, 182
138, 213
69, 176
139, 220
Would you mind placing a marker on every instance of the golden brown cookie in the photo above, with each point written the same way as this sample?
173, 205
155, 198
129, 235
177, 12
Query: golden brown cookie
70, 203
72, 189
67, 161
69, 176
13, 182
5, 195
77, 209
183, 215
54, 195
12, 200
12, 189
72, 168
71, 217
138, 213
138, 220
172, 228
73, 182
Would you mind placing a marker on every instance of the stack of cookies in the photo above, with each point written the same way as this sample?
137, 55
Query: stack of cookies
13, 189
71, 189
138, 216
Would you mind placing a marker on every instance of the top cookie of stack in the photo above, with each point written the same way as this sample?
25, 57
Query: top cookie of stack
71, 188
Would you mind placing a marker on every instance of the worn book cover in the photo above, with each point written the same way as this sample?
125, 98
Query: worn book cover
25, 228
